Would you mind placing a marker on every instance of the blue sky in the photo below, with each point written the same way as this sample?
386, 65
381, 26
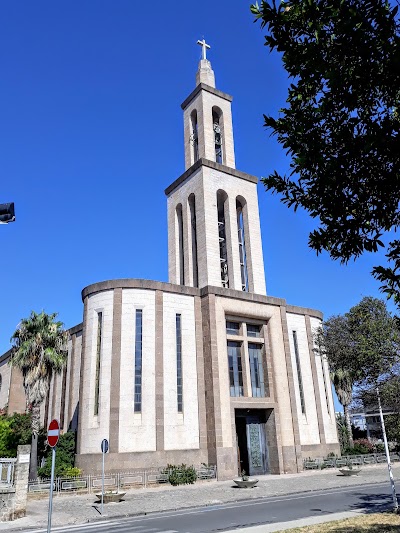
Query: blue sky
92, 134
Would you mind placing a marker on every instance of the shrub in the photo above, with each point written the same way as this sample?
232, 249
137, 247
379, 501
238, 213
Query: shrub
361, 447
364, 445
350, 451
181, 475
379, 447
5, 432
72, 471
65, 456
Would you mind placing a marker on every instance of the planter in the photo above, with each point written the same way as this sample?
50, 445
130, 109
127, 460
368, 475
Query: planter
246, 484
111, 497
349, 472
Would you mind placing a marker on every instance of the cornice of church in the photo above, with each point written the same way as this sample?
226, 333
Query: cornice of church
207, 88
75, 329
203, 162
134, 283
5, 356
296, 310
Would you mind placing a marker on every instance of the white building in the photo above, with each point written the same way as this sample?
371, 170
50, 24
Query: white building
205, 368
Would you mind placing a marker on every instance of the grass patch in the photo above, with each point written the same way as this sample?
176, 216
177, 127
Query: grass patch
369, 523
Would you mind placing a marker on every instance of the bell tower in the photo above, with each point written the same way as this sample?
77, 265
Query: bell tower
207, 119
214, 233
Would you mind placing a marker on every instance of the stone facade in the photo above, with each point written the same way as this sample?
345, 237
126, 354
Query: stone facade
13, 499
206, 368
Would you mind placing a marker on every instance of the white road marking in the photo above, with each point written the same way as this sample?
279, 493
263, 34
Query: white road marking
90, 525
104, 526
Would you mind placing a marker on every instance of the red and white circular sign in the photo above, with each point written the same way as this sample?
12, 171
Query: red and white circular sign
53, 433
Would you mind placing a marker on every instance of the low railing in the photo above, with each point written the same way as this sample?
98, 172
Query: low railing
340, 462
92, 483
7, 468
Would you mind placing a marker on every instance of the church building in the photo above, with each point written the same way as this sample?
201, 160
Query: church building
205, 368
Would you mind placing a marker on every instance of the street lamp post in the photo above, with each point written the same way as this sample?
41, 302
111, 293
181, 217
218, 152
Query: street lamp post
394, 496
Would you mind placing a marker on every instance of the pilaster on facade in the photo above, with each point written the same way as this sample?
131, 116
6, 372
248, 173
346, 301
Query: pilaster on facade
115, 371
84, 356
291, 461
159, 370
317, 391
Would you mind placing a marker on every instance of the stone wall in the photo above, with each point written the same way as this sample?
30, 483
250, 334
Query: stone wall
7, 497
13, 499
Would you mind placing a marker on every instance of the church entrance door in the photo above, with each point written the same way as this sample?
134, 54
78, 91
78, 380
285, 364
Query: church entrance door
251, 442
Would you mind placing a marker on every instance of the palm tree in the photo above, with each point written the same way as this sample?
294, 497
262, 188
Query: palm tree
39, 351
343, 382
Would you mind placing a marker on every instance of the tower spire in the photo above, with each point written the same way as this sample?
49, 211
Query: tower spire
205, 73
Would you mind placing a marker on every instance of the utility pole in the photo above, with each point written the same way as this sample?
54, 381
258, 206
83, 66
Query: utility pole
394, 496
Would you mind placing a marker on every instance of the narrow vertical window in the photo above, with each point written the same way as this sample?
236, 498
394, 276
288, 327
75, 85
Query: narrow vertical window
223, 255
256, 370
217, 136
194, 137
300, 380
138, 360
325, 386
180, 245
242, 247
98, 363
179, 378
195, 268
235, 369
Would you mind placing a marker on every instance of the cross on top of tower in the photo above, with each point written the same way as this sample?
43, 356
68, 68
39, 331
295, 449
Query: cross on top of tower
204, 46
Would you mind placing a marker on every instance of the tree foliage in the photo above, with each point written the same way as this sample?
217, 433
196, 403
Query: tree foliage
392, 423
334, 342
16, 429
343, 432
365, 342
362, 348
343, 381
65, 456
341, 125
389, 391
375, 341
39, 351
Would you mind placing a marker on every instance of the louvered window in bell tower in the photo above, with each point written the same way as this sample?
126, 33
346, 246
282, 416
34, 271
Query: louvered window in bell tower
217, 135
223, 253
194, 136
242, 246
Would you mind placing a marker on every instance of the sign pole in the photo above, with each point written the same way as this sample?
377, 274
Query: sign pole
391, 478
104, 450
53, 464
102, 485
53, 434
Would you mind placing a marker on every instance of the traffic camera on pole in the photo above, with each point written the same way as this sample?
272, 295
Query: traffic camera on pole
7, 213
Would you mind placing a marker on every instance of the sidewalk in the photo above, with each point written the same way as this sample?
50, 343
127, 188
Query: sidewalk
68, 510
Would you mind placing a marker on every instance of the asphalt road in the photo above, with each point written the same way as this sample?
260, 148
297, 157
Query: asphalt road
374, 497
